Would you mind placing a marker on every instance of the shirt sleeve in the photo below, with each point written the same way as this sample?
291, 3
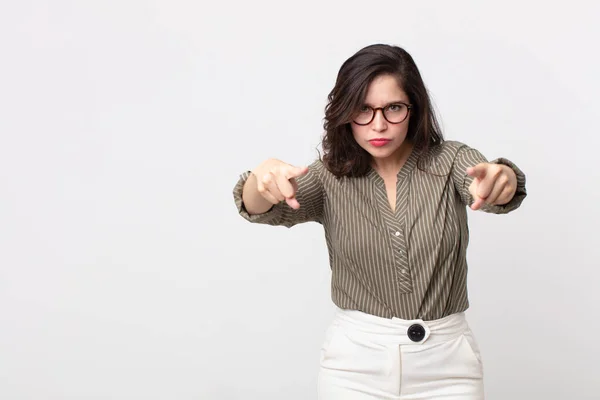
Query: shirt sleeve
310, 195
469, 157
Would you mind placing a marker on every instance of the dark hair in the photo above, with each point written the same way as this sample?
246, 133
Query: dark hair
341, 154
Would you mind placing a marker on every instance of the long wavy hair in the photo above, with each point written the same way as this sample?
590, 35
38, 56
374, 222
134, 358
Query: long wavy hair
341, 154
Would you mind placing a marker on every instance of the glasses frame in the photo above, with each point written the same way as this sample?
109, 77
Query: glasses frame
375, 109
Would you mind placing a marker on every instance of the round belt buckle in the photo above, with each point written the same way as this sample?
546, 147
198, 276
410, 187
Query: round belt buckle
416, 332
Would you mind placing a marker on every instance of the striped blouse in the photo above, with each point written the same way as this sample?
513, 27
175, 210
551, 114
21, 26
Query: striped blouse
408, 263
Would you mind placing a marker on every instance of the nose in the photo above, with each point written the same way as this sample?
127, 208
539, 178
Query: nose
379, 122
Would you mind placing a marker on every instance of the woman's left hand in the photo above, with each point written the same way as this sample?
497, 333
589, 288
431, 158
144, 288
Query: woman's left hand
494, 184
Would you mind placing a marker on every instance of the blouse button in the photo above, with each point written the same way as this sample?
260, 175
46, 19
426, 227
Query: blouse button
397, 233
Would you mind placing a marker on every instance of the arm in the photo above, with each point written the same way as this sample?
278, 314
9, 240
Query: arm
466, 185
305, 205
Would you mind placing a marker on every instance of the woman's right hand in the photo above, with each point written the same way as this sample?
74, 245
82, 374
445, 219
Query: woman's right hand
276, 181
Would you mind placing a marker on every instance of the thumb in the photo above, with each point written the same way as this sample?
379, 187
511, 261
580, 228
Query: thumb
291, 174
478, 171
478, 202
295, 172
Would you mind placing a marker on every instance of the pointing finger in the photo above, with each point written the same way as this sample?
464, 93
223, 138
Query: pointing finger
292, 202
477, 204
270, 186
294, 184
485, 187
497, 190
285, 186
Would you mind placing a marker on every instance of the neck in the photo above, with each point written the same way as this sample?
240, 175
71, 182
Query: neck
392, 165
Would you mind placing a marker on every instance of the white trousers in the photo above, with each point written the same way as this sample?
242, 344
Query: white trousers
368, 357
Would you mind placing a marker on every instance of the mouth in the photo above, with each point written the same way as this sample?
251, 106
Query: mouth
379, 142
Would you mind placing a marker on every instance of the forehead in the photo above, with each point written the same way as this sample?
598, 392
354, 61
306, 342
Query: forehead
383, 90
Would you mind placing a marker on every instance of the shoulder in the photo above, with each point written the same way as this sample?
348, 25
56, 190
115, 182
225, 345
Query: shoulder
443, 154
447, 148
316, 168
316, 171
316, 165
327, 178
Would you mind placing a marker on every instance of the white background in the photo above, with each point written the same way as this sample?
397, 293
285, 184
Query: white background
125, 271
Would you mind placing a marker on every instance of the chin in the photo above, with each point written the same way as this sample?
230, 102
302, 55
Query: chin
382, 152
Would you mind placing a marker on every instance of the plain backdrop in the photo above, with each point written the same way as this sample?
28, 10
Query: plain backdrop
125, 270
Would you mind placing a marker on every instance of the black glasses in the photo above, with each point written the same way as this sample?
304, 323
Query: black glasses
393, 113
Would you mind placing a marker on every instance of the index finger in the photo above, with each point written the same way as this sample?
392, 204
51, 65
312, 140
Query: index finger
286, 186
485, 187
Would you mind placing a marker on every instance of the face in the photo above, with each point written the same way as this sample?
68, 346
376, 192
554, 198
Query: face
380, 138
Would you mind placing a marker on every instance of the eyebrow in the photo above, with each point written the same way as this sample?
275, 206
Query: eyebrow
390, 103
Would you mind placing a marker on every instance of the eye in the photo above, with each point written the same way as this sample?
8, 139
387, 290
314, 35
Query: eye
395, 107
364, 109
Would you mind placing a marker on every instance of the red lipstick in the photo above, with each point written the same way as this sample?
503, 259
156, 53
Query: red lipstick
379, 142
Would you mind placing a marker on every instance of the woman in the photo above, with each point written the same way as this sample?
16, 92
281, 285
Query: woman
391, 195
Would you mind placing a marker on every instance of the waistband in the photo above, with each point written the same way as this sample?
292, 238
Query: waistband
402, 331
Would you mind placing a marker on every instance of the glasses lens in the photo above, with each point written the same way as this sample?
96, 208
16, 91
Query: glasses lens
364, 115
396, 113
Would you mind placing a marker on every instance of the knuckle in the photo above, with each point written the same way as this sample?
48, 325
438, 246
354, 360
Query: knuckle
276, 171
267, 178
